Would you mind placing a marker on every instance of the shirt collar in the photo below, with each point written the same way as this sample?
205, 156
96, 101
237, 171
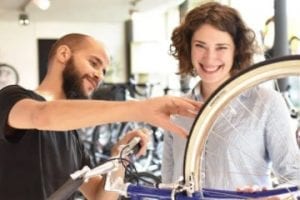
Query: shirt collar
196, 93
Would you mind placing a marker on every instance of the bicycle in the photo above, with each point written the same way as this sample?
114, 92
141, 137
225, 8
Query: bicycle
191, 188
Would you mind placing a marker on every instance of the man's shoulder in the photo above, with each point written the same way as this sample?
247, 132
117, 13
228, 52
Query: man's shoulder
12, 89
17, 91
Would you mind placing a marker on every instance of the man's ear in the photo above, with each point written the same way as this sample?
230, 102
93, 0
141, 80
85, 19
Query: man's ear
63, 53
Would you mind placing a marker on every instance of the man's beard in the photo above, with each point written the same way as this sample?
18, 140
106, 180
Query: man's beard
72, 82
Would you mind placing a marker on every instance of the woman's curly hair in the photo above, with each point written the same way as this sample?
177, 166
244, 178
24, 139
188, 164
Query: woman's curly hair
221, 17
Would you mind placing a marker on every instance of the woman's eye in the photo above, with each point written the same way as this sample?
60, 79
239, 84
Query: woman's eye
221, 48
200, 45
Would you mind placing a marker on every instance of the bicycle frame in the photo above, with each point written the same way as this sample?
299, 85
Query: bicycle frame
137, 192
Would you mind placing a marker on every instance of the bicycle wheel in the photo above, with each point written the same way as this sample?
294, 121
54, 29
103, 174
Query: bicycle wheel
104, 137
8, 75
204, 124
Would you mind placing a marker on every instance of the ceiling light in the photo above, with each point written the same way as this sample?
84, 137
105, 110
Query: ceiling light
42, 4
23, 19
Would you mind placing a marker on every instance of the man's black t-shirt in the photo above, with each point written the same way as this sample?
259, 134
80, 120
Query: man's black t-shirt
34, 163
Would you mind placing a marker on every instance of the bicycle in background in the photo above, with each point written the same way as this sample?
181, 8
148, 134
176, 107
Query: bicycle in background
99, 140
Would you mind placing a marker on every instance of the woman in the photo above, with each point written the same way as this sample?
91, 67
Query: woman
214, 43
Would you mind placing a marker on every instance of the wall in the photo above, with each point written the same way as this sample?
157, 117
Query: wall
18, 45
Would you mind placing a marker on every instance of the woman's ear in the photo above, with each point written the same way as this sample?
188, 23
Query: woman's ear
63, 53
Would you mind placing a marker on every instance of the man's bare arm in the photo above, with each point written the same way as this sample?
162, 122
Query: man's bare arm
72, 114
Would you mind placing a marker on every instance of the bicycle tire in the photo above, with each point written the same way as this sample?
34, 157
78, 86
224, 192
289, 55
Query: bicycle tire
8, 75
258, 73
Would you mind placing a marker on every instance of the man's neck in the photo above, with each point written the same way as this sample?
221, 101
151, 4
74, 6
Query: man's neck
50, 92
51, 89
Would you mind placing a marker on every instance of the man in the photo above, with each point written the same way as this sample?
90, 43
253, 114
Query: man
39, 145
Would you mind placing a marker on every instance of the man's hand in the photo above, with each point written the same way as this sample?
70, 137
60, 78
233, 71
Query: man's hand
158, 111
141, 133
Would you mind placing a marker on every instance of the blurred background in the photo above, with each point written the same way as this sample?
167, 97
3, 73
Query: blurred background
137, 33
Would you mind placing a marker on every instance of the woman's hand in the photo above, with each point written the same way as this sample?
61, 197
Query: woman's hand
255, 188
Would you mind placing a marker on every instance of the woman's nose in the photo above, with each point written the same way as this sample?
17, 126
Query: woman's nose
209, 57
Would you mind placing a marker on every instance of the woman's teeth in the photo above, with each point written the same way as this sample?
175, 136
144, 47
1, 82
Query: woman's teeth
211, 69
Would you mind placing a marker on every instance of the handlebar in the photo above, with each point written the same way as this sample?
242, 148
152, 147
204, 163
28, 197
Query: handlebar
79, 177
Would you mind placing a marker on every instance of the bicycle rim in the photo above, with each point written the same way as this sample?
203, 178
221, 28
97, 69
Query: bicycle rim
261, 72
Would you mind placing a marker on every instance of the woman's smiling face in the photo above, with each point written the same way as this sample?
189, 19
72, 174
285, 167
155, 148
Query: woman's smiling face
212, 54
